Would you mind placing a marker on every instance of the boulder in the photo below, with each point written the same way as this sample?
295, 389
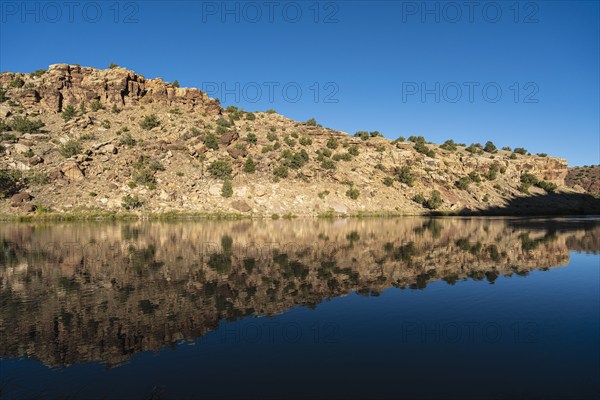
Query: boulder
72, 172
241, 206
20, 197
229, 137
35, 160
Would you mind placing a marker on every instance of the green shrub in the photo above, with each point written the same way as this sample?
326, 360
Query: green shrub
434, 201
490, 147
289, 141
271, 136
305, 141
70, 148
9, 182
323, 194
249, 166
311, 122
69, 113
250, 116
3, 96
17, 83
276, 145
251, 138
328, 163
474, 176
25, 125
416, 139
220, 169
475, 148
227, 189
266, 149
364, 135
388, 181
280, 171
130, 202
113, 66
463, 183
37, 73
423, 149
513, 156
211, 141
96, 105
332, 143
127, 140
295, 160
176, 83
4, 127
38, 178
547, 186
520, 150
542, 155
404, 175
353, 193
448, 145
353, 150
419, 198
506, 148
106, 124
149, 122
492, 173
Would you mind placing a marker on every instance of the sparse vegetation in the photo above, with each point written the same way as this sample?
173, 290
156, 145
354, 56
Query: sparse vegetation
280, 172
305, 141
96, 106
149, 122
448, 145
388, 181
227, 189
25, 125
490, 147
127, 140
249, 166
520, 150
463, 183
211, 141
176, 83
433, 202
404, 175
311, 122
9, 182
17, 83
220, 169
130, 202
332, 143
69, 113
353, 193
251, 138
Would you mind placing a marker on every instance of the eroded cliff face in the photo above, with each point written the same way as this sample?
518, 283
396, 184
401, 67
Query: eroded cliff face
107, 150
64, 85
78, 292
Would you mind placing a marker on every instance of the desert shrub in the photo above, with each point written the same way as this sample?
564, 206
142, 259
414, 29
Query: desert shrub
353, 150
250, 116
404, 175
419, 198
305, 141
513, 156
289, 141
328, 163
113, 66
375, 134
17, 83
448, 145
547, 186
295, 160
294, 135
249, 166
266, 149
280, 171
486, 198
276, 145
520, 150
69, 113
271, 111
475, 148
96, 106
37, 73
388, 181
434, 201
271, 136
130, 202
106, 124
364, 135
353, 193
227, 189
38, 178
332, 143
506, 148
323, 194
4, 127
463, 182
70, 148
311, 122
542, 155
9, 182
492, 173
149, 122
251, 138
474, 176
490, 147
211, 141
423, 149
220, 169
3, 96
25, 125
176, 83
9, 137
416, 139
127, 140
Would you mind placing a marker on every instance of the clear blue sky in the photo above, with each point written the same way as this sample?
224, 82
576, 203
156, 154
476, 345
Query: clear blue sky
374, 58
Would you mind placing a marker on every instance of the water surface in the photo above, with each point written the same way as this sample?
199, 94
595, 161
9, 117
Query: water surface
378, 308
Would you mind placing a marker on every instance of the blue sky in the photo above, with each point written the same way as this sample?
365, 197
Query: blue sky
520, 74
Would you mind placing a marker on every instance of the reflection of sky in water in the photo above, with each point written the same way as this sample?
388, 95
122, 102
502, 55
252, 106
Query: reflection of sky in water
534, 335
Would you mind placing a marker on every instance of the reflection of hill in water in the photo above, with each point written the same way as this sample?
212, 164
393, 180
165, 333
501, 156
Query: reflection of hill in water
107, 291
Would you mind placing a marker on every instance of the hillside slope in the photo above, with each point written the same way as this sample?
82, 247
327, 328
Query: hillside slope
79, 139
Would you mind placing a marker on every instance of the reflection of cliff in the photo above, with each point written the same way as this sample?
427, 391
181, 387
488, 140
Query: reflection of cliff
106, 291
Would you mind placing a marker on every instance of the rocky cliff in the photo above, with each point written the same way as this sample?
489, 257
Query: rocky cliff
83, 140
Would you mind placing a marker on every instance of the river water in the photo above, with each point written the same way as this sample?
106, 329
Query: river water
357, 308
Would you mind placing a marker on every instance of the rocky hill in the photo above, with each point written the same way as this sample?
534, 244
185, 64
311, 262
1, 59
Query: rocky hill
80, 140
586, 178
